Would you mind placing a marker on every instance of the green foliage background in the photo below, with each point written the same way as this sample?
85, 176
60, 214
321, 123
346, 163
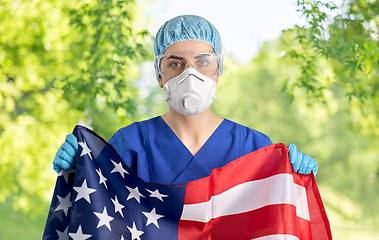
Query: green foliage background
61, 62
69, 62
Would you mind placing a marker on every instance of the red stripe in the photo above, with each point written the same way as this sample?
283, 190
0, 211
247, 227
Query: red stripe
320, 226
273, 219
233, 173
319, 220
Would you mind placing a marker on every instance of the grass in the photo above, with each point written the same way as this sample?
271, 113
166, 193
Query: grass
345, 217
20, 225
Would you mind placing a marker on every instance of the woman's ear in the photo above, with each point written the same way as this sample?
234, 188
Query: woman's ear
160, 81
216, 77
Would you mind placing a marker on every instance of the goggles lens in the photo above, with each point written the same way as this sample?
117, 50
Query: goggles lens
173, 64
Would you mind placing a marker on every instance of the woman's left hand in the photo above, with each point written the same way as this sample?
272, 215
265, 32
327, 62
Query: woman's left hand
301, 163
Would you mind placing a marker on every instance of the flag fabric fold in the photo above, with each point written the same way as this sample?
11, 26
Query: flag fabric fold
257, 196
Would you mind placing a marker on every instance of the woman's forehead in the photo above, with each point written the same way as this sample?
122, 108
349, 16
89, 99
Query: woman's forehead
189, 45
189, 54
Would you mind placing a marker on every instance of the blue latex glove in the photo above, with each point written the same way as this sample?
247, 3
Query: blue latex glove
301, 163
65, 157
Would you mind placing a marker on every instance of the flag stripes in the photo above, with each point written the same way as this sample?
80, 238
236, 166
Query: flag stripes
260, 164
277, 189
271, 219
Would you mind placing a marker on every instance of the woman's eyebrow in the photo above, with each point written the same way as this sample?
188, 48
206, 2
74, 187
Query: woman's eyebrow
202, 56
174, 57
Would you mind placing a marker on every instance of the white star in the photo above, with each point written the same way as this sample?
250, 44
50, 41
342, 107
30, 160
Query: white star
102, 178
104, 219
79, 235
135, 232
85, 150
118, 168
134, 193
122, 237
64, 203
157, 194
152, 217
65, 173
63, 235
117, 206
84, 192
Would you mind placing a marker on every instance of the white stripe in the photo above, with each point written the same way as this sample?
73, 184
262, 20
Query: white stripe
248, 196
277, 237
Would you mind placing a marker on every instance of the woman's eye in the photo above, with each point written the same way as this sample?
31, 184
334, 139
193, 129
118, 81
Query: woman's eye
174, 64
203, 62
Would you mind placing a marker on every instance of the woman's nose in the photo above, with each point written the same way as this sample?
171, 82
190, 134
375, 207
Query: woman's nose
189, 65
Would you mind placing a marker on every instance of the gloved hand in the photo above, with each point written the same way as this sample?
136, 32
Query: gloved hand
65, 157
301, 162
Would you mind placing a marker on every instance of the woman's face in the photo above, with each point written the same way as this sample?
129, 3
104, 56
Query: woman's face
186, 46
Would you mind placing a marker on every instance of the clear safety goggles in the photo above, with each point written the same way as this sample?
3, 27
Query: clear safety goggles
173, 64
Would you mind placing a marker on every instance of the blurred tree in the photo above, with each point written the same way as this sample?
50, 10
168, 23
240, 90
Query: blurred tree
328, 131
348, 35
61, 61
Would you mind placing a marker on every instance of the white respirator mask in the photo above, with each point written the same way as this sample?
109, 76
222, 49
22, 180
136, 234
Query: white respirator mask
190, 93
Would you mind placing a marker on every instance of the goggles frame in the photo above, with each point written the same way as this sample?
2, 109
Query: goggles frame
157, 61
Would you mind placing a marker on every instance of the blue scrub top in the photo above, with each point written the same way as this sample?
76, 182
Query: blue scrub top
157, 155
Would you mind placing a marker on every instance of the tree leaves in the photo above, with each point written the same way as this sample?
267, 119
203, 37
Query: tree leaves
347, 35
61, 62
347, 38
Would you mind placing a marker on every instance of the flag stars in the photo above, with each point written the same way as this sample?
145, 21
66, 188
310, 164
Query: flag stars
55, 214
118, 168
156, 194
134, 193
84, 192
63, 235
104, 219
79, 235
85, 150
65, 173
64, 203
117, 206
102, 178
152, 217
135, 232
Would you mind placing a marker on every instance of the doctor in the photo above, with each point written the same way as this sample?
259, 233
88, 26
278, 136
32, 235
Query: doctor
188, 141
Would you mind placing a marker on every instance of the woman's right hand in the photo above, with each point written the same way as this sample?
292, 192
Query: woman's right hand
65, 157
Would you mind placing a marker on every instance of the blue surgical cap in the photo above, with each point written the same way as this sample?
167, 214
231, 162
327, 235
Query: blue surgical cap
186, 27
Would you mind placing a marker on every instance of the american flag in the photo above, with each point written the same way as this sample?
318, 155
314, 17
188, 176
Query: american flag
254, 197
